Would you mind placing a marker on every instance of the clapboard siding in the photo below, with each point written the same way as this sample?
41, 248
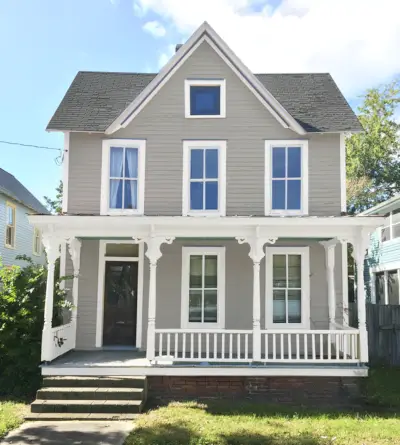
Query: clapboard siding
24, 235
164, 126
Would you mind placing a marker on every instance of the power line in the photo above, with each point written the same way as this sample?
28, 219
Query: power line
30, 145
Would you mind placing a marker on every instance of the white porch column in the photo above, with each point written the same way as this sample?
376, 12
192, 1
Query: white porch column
330, 277
74, 247
153, 253
256, 253
360, 246
52, 246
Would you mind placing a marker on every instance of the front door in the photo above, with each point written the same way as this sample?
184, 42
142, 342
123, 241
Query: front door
120, 303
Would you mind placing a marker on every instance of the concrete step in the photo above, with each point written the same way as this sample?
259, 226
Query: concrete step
87, 406
90, 393
79, 416
85, 382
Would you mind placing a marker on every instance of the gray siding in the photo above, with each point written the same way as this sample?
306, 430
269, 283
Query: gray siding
23, 239
239, 279
247, 125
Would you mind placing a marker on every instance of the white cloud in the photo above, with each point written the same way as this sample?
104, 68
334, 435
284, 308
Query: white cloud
166, 56
357, 41
138, 10
155, 28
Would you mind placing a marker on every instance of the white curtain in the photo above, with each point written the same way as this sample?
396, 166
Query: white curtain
130, 192
116, 166
131, 163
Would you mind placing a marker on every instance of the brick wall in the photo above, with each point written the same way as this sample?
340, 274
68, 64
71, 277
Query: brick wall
290, 390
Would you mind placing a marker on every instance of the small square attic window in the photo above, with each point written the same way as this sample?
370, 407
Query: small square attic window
205, 98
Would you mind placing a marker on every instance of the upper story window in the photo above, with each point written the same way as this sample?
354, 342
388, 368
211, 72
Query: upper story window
123, 170
10, 225
205, 98
204, 172
286, 177
392, 229
37, 244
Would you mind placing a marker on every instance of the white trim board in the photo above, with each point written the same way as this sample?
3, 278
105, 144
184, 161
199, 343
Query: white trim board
101, 283
65, 172
343, 197
206, 33
387, 266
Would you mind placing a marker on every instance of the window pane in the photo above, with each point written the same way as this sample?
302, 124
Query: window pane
116, 161
195, 299
212, 163
294, 306
196, 163
294, 194
380, 288
393, 287
396, 231
210, 270
279, 306
278, 195
131, 163
10, 216
279, 271
123, 250
294, 162
196, 195
294, 264
278, 162
205, 101
9, 236
212, 195
385, 236
116, 193
210, 306
130, 195
196, 271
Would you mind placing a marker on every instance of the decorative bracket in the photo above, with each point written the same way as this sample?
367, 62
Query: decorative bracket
74, 247
256, 244
52, 244
153, 243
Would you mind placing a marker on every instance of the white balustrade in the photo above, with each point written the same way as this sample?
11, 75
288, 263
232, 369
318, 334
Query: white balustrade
62, 340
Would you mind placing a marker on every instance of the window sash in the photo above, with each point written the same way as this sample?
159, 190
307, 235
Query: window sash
10, 226
204, 83
36, 242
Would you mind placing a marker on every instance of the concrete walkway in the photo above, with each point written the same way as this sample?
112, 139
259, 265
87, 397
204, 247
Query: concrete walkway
69, 433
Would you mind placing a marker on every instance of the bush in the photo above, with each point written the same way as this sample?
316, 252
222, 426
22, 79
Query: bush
22, 295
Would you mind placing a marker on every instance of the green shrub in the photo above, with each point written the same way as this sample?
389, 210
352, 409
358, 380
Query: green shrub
22, 295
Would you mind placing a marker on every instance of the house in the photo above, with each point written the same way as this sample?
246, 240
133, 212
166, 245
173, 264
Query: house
383, 259
19, 237
204, 225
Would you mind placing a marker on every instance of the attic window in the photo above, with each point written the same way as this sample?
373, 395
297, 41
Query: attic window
205, 98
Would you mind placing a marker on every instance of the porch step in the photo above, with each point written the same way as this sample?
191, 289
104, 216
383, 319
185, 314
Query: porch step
96, 398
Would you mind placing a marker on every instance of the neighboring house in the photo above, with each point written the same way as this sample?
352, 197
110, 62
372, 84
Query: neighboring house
204, 215
19, 237
383, 259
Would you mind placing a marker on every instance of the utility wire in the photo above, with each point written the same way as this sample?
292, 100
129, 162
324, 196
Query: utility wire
30, 145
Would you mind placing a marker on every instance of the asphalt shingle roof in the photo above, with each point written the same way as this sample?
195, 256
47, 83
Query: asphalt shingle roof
95, 99
11, 187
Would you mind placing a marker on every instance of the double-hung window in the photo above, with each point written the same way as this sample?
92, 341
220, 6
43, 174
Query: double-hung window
123, 170
10, 225
204, 172
287, 287
203, 287
391, 230
286, 177
205, 98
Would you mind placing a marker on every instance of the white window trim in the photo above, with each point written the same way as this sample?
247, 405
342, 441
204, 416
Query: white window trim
206, 83
140, 144
268, 176
385, 269
305, 287
39, 252
14, 208
187, 146
390, 225
186, 253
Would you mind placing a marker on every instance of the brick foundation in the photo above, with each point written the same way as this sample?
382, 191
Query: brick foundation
289, 390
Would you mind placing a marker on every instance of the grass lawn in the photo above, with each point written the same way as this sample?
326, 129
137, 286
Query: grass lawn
224, 423
11, 416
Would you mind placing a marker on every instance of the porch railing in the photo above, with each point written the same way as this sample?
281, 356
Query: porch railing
62, 340
277, 346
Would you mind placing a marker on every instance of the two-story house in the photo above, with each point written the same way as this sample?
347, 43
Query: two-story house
19, 237
204, 220
383, 259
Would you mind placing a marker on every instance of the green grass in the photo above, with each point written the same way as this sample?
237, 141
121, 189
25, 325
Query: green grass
11, 416
228, 423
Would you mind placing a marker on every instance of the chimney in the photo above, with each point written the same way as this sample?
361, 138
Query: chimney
178, 46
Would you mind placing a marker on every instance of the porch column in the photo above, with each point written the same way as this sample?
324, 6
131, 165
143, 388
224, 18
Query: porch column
52, 247
153, 253
74, 247
256, 253
360, 245
330, 277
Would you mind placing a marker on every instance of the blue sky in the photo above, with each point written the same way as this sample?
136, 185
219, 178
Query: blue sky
43, 43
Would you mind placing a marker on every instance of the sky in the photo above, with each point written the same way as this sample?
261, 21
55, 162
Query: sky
44, 43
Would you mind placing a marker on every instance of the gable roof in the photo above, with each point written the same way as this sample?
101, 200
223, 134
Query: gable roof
95, 99
384, 207
11, 187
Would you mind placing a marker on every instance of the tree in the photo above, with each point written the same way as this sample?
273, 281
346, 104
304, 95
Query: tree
55, 205
372, 157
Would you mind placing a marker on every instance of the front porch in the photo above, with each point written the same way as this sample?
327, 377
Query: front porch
243, 341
